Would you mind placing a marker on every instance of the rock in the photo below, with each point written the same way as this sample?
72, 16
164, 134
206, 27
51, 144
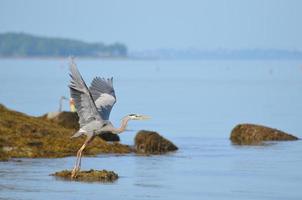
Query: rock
70, 120
88, 176
37, 137
4, 156
65, 119
248, 134
149, 142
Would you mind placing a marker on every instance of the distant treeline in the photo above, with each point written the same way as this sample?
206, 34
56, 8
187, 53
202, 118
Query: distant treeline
25, 45
220, 54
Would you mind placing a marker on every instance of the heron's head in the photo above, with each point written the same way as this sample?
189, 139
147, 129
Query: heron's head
138, 117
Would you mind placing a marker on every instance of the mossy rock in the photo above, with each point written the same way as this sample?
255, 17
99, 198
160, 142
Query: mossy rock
3, 155
35, 137
150, 142
249, 134
88, 176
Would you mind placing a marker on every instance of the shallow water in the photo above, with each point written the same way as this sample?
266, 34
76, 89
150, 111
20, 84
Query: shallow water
193, 103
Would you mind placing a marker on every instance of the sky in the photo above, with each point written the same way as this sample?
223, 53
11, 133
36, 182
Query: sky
155, 24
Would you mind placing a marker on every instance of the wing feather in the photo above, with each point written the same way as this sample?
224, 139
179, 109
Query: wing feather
84, 103
103, 94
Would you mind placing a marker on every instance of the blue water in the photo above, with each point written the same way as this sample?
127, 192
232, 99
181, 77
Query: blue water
194, 103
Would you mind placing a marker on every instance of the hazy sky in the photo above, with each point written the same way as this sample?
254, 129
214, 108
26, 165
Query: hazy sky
155, 24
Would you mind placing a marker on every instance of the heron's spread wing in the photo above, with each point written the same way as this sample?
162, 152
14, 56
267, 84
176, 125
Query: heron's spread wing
84, 103
103, 95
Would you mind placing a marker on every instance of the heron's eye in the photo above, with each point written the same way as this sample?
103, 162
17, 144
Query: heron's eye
132, 115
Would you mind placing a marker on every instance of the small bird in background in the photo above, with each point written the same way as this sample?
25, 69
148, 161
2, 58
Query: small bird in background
93, 106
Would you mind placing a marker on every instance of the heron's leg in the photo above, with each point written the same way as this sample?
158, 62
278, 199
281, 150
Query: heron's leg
77, 166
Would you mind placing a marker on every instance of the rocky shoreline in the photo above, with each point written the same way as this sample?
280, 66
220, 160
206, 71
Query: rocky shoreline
23, 136
35, 137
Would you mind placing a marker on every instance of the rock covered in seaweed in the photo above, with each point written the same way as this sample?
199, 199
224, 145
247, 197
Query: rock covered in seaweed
248, 134
32, 137
3, 154
149, 142
88, 176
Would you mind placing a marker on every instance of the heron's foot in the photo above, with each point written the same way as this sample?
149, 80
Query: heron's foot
75, 172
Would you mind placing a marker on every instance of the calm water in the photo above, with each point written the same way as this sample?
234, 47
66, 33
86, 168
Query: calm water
194, 103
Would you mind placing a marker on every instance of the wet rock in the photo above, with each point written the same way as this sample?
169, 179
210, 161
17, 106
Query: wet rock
4, 156
88, 176
249, 134
35, 137
149, 142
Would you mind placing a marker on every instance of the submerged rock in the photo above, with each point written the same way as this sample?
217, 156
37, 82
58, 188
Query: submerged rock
88, 176
32, 137
149, 142
248, 134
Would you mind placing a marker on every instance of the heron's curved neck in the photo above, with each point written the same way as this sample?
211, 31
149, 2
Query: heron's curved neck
123, 126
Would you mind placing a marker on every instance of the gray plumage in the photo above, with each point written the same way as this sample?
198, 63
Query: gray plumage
86, 108
103, 94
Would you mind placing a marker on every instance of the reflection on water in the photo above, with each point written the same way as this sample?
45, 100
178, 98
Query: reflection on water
193, 103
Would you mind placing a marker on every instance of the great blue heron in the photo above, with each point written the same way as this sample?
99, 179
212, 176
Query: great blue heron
93, 107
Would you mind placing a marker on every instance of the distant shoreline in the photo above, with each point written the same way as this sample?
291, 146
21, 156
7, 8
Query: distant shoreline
59, 58
27, 45
82, 58
146, 58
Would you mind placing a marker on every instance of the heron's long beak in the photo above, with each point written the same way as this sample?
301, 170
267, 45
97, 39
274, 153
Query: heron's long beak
142, 117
